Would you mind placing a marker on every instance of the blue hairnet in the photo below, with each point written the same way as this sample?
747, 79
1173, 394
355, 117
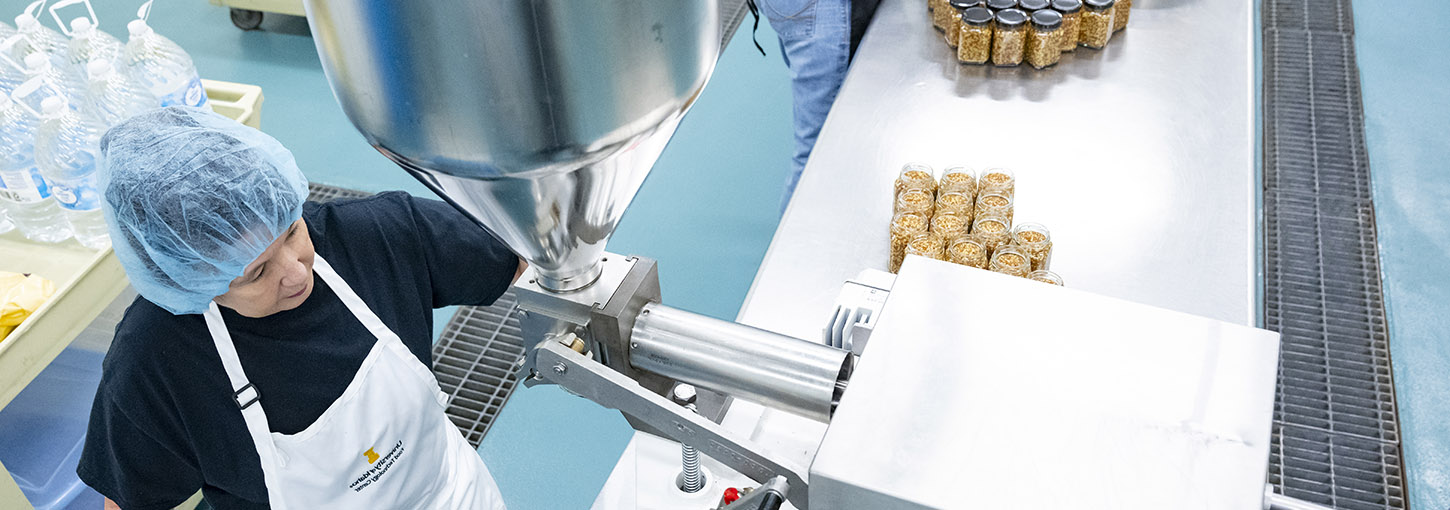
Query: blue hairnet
191, 198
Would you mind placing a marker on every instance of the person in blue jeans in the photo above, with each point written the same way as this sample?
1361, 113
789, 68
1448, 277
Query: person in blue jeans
817, 41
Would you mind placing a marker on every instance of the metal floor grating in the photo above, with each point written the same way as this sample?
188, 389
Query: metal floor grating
473, 359
1336, 434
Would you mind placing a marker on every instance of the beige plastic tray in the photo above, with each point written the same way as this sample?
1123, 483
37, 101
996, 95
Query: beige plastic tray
85, 280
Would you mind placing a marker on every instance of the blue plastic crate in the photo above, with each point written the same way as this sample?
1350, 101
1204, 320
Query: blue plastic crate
42, 430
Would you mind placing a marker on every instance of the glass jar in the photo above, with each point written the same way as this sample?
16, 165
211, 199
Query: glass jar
915, 176
1071, 13
1045, 277
958, 178
993, 231
1043, 39
1121, 12
1095, 25
1010, 260
949, 226
904, 226
1001, 5
968, 251
974, 43
942, 16
954, 18
916, 200
1034, 240
1032, 6
956, 202
1009, 38
925, 245
997, 179
993, 203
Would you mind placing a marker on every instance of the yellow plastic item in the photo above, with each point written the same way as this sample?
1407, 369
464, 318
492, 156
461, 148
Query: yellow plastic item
238, 101
21, 295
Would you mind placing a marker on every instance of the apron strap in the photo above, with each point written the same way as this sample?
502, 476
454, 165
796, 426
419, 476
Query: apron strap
247, 398
350, 299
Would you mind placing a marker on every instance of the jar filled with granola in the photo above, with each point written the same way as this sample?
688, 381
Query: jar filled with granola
1095, 25
904, 226
958, 178
1071, 11
1121, 11
926, 245
916, 200
993, 203
1043, 39
1010, 260
1034, 240
994, 231
1045, 277
1009, 37
974, 43
1001, 5
954, 21
955, 202
968, 251
1032, 6
949, 226
915, 176
997, 179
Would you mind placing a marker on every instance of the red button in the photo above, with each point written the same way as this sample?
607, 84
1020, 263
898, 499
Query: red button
731, 495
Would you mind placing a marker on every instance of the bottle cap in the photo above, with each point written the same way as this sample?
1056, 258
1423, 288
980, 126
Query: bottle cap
52, 106
138, 28
26, 22
36, 61
81, 28
99, 69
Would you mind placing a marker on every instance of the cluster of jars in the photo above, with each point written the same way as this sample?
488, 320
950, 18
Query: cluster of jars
1008, 32
966, 218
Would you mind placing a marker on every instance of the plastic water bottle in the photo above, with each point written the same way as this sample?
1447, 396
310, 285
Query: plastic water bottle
113, 95
35, 38
53, 82
87, 44
25, 196
65, 150
162, 67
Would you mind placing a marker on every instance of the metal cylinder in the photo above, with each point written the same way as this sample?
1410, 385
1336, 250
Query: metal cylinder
775, 370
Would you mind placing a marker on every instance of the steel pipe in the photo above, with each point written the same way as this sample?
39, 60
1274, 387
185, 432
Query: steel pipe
775, 370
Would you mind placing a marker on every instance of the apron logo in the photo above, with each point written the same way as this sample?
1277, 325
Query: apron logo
380, 464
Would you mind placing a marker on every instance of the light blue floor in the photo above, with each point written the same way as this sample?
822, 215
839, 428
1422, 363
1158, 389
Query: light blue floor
706, 213
1403, 73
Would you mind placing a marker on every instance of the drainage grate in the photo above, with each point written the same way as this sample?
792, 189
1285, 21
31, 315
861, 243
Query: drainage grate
474, 358
474, 362
1336, 433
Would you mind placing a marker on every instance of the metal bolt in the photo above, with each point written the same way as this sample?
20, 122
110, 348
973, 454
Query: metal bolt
693, 479
683, 394
560, 368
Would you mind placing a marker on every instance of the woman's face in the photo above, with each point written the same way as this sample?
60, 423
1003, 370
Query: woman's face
279, 280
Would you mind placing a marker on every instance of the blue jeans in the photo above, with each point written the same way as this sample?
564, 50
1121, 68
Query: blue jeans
815, 41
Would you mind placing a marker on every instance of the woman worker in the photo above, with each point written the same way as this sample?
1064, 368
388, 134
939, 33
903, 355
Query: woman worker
278, 356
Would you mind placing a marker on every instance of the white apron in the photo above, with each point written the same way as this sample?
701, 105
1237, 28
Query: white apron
385, 443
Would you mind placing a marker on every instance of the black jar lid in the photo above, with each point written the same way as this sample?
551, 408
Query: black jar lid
1098, 5
1033, 5
1011, 18
1046, 19
998, 5
1067, 6
963, 4
977, 16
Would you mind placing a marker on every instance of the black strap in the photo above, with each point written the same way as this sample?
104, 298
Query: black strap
256, 395
755, 11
